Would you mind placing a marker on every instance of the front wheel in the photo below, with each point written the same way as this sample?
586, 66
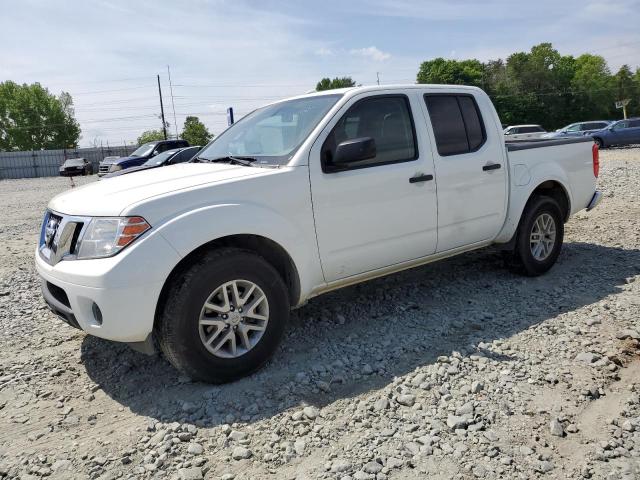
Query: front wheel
224, 316
599, 142
540, 236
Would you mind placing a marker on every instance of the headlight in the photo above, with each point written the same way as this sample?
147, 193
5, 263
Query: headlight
115, 167
104, 237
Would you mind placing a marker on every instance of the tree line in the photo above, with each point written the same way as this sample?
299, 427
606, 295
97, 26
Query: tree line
540, 86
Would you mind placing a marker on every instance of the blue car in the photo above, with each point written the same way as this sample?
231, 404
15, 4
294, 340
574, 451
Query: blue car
578, 129
623, 132
170, 157
139, 156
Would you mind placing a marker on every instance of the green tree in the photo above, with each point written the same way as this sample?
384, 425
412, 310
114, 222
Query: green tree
328, 84
542, 85
626, 87
32, 118
195, 132
453, 72
150, 136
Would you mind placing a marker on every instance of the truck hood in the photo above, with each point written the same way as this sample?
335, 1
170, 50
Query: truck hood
111, 196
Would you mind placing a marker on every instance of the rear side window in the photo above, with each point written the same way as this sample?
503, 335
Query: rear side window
457, 123
634, 123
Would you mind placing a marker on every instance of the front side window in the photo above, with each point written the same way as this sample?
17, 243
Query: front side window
272, 134
575, 127
387, 120
457, 124
621, 125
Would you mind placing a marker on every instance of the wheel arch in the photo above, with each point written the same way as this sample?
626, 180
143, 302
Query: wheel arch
555, 190
270, 250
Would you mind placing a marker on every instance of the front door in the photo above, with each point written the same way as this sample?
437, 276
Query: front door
381, 211
470, 169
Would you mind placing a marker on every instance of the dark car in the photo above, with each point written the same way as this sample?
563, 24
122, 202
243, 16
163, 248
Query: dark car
623, 132
579, 129
140, 155
170, 157
75, 166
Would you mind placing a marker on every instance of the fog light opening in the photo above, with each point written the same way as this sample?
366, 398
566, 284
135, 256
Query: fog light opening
97, 313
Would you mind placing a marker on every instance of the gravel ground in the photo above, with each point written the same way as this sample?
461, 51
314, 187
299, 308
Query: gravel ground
458, 369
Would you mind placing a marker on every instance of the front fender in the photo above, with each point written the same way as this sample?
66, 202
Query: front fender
195, 228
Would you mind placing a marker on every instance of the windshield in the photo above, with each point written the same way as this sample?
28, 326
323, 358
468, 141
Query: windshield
74, 161
160, 158
271, 134
143, 150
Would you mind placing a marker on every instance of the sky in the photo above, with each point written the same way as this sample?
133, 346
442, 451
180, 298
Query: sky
245, 53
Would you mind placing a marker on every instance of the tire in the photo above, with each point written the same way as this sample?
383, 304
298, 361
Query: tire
531, 258
599, 142
182, 337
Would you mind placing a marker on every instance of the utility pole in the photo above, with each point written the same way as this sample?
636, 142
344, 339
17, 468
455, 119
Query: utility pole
378, 77
173, 105
164, 125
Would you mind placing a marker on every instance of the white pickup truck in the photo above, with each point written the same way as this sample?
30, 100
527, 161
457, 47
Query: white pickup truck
205, 259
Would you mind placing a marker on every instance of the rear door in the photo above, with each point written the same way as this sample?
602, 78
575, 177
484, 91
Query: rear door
381, 211
470, 169
633, 132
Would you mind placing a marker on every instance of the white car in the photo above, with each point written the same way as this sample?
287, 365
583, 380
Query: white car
205, 259
524, 132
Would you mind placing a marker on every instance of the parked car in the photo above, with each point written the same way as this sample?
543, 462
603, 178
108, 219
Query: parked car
524, 132
139, 156
299, 198
577, 129
75, 166
623, 132
170, 157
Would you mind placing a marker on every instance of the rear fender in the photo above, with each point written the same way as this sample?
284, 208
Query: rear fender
519, 195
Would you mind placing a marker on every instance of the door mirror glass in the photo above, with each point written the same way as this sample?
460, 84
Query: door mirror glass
355, 150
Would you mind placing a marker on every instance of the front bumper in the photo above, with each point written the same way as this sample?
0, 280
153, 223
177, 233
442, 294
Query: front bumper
595, 200
113, 298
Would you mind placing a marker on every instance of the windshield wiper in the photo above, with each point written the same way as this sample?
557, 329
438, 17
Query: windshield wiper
246, 161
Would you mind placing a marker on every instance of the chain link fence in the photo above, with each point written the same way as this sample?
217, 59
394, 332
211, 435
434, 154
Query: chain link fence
45, 163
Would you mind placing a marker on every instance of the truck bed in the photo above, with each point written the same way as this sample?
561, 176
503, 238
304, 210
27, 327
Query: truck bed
515, 145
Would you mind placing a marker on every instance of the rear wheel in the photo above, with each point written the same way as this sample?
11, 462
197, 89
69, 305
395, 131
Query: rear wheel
539, 237
224, 317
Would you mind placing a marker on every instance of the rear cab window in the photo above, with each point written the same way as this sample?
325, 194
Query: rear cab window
457, 123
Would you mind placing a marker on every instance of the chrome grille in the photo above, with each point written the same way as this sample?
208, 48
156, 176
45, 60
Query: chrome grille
103, 168
59, 236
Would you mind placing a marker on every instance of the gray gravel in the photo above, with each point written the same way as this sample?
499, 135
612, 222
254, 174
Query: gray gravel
458, 369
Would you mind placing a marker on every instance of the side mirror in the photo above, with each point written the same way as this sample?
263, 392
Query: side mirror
356, 150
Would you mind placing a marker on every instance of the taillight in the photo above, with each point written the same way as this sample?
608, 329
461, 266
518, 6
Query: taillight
595, 151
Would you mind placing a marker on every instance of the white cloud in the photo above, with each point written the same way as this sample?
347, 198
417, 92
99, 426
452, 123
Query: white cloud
372, 52
324, 52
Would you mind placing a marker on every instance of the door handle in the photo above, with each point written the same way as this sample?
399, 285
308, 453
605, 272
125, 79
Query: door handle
491, 166
420, 178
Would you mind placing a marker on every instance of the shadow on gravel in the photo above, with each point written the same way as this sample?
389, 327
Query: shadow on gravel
390, 326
